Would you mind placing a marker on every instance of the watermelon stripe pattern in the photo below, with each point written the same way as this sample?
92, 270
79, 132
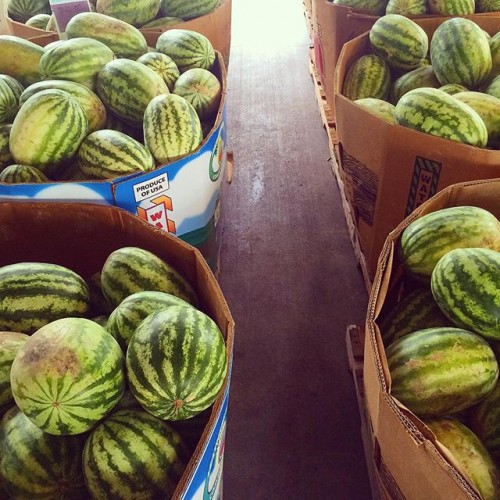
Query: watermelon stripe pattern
172, 128
129, 12
107, 154
452, 7
22, 10
35, 464
460, 53
10, 343
79, 378
17, 174
163, 65
466, 286
368, 77
33, 294
441, 370
5, 154
8, 103
133, 455
176, 362
187, 10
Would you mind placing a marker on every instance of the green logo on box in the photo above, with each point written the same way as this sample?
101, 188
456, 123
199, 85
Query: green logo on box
424, 182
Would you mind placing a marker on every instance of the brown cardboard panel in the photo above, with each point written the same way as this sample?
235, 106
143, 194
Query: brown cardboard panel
390, 170
401, 437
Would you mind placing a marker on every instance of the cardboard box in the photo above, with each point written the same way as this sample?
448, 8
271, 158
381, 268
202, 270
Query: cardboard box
216, 26
81, 238
389, 170
411, 464
182, 197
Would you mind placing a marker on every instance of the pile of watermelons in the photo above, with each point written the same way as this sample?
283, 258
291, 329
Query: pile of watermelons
100, 104
448, 86
106, 384
442, 335
141, 14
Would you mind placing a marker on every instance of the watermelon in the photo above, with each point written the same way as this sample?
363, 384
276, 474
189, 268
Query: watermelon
48, 130
470, 454
383, 109
131, 269
163, 65
20, 59
10, 343
162, 22
127, 316
414, 79
126, 88
172, 128
8, 103
436, 371
132, 454
425, 240
453, 88
5, 154
176, 363
22, 10
107, 154
452, 7
201, 89
122, 38
36, 465
187, 10
33, 294
494, 43
437, 113
494, 87
406, 7
487, 5
189, 49
14, 85
466, 285
135, 13
416, 311
68, 375
22, 174
39, 21
91, 104
369, 76
78, 60
399, 40
460, 53
373, 7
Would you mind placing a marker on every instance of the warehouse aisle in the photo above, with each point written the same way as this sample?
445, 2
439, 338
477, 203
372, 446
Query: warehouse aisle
289, 274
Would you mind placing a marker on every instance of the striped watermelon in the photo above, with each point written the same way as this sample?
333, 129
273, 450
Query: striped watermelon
91, 104
383, 109
487, 5
20, 59
488, 108
34, 464
107, 154
494, 87
466, 285
126, 88
8, 103
129, 11
201, 89
122, 38
33, 294
15, 86
452, 7
187, 10
48, 130
453, 88
417, 78
22, 10
22, 174
470, 454
406, 7
441, 370
131, 269
172, 128
5, 154
39, 21
399, 40
437, 113
189, 49
127, 316
78, 60
10, 343
460, 53
176, 363
68, 375
163, 65
132, 455
416, 311
494, 43
373, 7
425, 240
162, 22
369, 76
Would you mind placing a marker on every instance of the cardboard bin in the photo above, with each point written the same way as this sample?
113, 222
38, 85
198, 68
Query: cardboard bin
182, 197
81, 238
389, 170
409, 462
216, 26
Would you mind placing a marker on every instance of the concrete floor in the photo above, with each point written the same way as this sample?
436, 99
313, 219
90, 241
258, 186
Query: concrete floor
289, 274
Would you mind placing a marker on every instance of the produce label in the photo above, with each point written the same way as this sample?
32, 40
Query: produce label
424, 182
64, 10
